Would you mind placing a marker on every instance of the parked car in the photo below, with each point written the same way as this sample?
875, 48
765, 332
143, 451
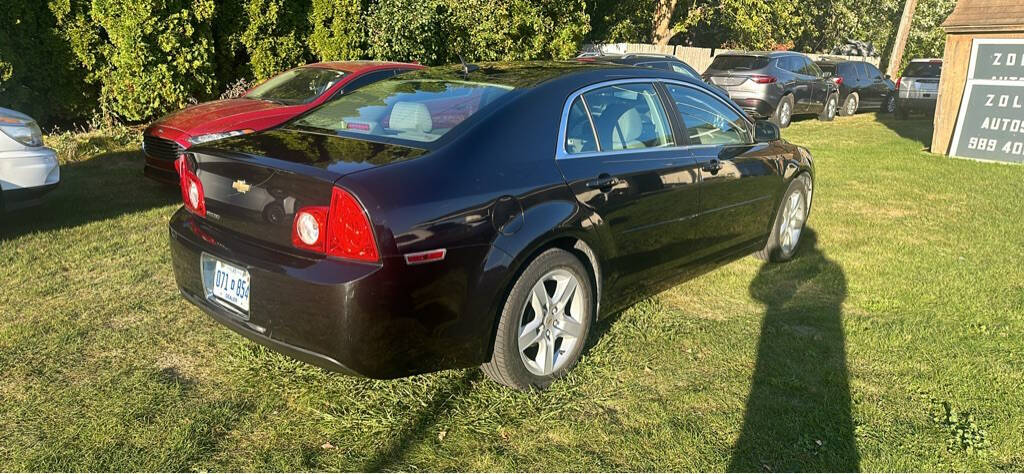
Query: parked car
918, 88
453, 217
267, 105
861, 86
28, 170
775, 85
657, 61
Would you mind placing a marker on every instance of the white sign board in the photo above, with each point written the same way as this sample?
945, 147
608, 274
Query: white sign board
990, 125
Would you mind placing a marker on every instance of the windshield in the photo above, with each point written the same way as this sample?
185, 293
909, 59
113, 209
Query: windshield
297, 86
739, 62
421, 110
928, 69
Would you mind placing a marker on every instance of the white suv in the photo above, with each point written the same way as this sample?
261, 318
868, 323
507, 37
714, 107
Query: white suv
918, 89
28, 170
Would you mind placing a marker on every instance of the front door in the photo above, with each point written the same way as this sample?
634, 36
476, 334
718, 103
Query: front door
621, 159
739, 179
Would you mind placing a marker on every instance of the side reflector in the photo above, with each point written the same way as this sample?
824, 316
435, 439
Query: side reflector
425, 257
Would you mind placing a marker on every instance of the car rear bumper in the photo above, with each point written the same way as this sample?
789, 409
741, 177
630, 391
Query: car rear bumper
26, 175
756, 108
374, 320
916, 104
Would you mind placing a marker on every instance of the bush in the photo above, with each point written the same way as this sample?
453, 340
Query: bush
337, 30
275, 35
38, 74
147, 56
409, 30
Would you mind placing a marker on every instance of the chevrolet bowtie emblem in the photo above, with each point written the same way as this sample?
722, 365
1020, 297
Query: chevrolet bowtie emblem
241, 186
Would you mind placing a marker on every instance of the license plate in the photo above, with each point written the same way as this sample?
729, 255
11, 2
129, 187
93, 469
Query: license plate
230, 284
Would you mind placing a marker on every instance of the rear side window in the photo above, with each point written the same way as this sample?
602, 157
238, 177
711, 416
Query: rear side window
579, 133
708, 121
739, 63
872, 72
922, 69
790, 63
628, 116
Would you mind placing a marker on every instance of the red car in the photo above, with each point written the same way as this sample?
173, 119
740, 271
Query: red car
268, 105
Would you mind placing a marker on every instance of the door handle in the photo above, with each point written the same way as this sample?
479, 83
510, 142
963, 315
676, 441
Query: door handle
604, 182
713, 166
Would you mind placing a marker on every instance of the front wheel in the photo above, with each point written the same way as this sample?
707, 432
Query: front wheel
789, 221
544, 323
829, 112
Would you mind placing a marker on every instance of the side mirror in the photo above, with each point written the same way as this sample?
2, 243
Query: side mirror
765, 132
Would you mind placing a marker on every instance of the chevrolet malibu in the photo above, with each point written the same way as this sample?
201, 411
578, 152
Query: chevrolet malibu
489, 214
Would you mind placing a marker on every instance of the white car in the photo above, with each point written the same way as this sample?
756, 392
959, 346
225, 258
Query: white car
28, 170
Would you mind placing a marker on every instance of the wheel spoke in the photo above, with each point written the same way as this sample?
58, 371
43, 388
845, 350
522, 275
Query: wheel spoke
529, 334
541, 298
549, 355
570, 327
564, 291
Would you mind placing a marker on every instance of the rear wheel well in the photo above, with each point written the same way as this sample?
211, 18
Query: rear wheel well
578, 248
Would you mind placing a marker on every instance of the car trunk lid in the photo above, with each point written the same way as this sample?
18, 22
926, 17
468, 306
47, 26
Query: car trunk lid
253, 185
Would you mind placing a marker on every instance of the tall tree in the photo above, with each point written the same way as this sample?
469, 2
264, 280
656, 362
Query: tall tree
896, 58
663, 21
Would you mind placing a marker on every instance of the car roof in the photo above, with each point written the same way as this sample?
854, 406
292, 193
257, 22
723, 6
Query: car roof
362, 66
764, 54
834, 60
926, 60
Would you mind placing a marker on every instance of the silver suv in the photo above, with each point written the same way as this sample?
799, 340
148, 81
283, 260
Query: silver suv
775, 85
918, 89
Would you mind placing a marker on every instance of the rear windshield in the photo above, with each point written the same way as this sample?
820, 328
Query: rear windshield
420, 110
739, 62
923, 70
297, 86
831, 68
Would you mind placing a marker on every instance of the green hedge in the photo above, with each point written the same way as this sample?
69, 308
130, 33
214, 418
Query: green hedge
134, 60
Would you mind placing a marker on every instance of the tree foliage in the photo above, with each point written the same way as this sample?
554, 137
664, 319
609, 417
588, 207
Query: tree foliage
137, 59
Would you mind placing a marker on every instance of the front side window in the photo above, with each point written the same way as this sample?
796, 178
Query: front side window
709, 121
628, 116
297, 86
419, 110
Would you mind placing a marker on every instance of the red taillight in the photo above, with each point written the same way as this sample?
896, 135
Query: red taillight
763, 79
838, 80
898, 81
342, 230
191, 188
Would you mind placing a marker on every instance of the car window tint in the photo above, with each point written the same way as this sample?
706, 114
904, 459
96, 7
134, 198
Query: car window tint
808, 68
628, 116
923, 69
579, 134
708, 120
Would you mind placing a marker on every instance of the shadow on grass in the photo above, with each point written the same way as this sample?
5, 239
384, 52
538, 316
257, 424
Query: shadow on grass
798, 414
105, 186
419, 427
917, 128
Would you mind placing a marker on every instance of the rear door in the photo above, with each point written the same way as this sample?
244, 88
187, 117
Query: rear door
739, 179
622, 159
794, 80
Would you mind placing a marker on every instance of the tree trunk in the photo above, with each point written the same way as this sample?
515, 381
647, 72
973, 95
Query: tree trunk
896, 58
662, 21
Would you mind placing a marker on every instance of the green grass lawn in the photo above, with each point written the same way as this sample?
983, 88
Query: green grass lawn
906, 301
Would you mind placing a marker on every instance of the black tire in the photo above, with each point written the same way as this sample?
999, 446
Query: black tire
828, 113
781, 118
889, 106
507, 365
773, 250
852, 102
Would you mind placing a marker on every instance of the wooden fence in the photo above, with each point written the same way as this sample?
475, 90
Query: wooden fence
698, 58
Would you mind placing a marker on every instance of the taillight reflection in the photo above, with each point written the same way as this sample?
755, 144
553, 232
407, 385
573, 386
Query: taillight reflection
191, 188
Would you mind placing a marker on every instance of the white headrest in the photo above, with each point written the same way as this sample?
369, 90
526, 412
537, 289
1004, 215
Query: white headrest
630, 125
410, 117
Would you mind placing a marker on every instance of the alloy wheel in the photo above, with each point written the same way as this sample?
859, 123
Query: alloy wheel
851, 106
785, 114
793, 216
832, 108
551, 325
890, 105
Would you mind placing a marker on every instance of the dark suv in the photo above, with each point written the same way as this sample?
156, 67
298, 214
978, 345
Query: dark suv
775, 85
657, 61
861, 86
